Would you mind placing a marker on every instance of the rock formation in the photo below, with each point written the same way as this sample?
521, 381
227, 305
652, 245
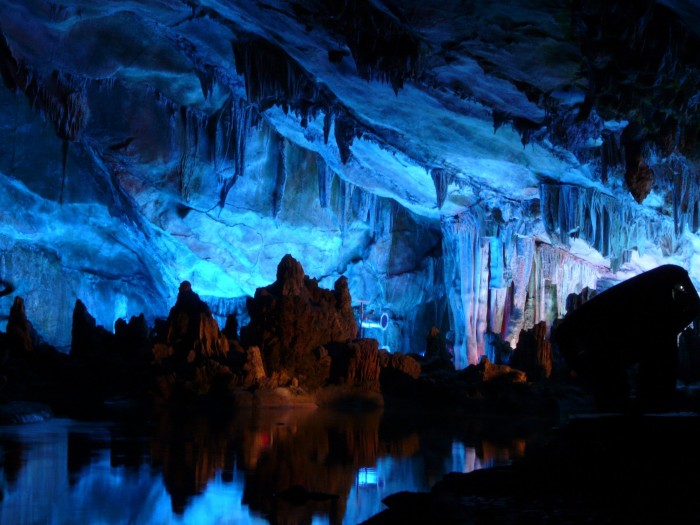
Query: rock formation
192, 331
292, 320
533, 353
488, 372
636, 322
88, 338
20, 332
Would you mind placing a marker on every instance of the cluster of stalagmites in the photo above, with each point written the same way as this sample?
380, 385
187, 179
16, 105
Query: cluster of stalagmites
300, 347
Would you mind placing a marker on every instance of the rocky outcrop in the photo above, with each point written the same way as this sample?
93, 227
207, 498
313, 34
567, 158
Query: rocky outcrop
133, 338
356, 363
190, 353
533, 353
488, 372
293, 318
88, 338
399, 363
20, 332
192, 331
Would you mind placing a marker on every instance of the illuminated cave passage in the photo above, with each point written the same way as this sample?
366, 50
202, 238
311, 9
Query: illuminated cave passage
455, 182
209, 199
454, 185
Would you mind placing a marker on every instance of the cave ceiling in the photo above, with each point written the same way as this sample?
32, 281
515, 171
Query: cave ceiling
436, 106
479, 90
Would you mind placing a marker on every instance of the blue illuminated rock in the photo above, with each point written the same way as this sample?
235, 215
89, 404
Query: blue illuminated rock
166, 142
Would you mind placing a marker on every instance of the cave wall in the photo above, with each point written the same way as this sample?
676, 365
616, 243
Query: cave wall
151, 195
465, 166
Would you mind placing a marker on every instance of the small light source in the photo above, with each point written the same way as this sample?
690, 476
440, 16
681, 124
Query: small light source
367, 476
382, 323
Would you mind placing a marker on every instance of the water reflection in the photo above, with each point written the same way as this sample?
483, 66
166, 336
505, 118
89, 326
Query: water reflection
195, 469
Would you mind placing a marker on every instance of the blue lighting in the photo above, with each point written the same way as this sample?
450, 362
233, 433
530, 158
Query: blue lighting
367, 476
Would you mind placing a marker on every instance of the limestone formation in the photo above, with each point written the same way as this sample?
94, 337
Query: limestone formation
533, 353
399, 363
488, 372
636, 322
88, 338
254, 368
293, 318
356, 363
19, 330
192, 331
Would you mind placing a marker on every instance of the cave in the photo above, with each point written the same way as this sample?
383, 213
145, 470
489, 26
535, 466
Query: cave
450, 179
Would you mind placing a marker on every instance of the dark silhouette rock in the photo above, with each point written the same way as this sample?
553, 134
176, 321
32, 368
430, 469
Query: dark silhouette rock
575, 300
192, 331
190, 352
299, 495
355, 363
633, 323
132, 338
488, 372
88, 338
436, 355
399, 363
231, 327
533, 353
689, 353
291, 319
20, 332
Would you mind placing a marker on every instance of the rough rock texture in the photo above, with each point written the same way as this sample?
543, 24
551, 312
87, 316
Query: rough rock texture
488, 372
253, 368
533, 353
192, 331
190, 352
399, 363
356, 363
20, 332
348, 134
293, 318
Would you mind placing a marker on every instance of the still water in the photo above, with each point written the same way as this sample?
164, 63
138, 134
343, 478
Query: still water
195, 469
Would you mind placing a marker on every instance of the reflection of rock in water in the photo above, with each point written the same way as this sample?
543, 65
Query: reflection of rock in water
316, 450
191, 449
312, 453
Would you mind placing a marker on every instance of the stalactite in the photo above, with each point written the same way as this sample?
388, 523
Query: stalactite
442, 180
325, 182
385, 49
280, 177
60, 97
344, 207
499, 281
373, 214
345, 133
611, 155
363, 204
678, 178
611, 225
272, 77
558, 274
327, 121
64, 160
464, 270
228, 132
